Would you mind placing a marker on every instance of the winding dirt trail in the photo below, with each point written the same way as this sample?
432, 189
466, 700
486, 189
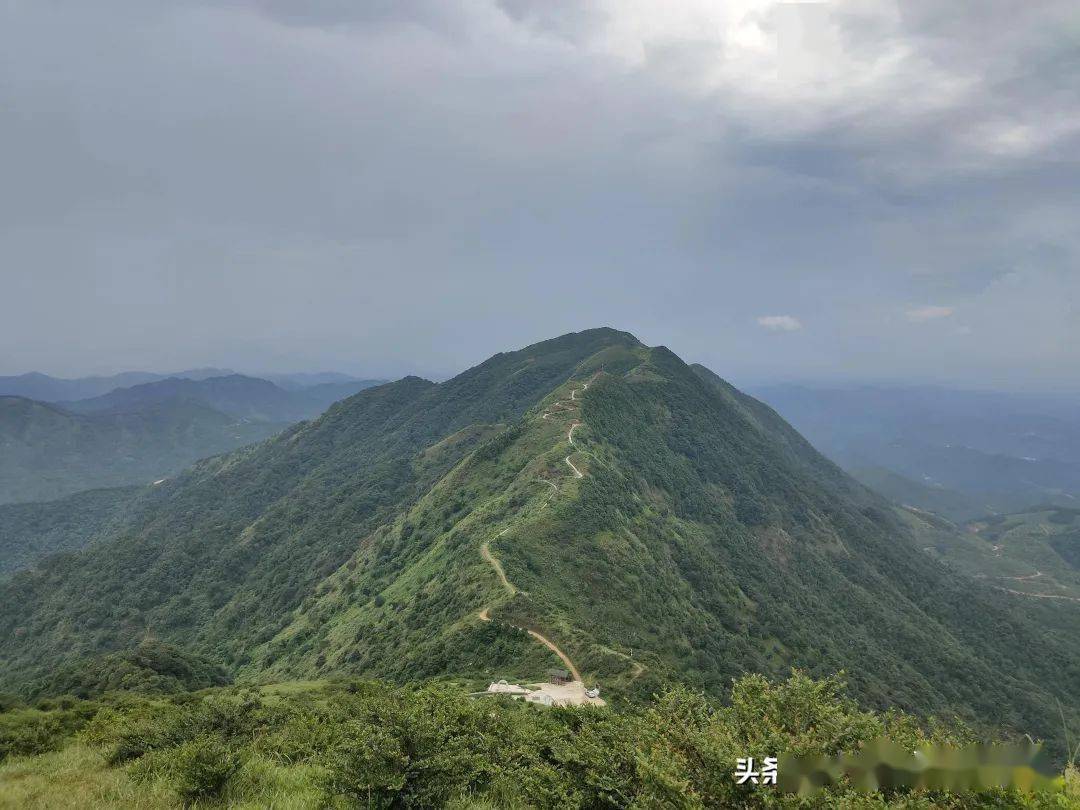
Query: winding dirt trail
638, 667
551, 495
570, 434
1028, 578
1040, 595
563, 405
485, 552
577, 473
562, 656
1036, 575
484, 615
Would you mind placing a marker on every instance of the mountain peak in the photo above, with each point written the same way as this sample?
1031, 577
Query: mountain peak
602, 335
585, 499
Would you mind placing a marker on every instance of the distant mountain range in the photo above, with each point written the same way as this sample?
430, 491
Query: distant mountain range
291, 382
587, 503
236, 395
44, 388
144, 432
962, 454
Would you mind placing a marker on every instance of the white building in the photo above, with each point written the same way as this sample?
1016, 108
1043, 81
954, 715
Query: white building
501, 687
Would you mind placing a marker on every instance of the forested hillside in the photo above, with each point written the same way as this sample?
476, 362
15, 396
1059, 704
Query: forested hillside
31, 531
646, 517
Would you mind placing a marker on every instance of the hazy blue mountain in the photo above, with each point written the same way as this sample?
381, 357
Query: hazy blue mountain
308, 379
144, 432
317, 398
1001, 452
44, 388
949, 503
236, 395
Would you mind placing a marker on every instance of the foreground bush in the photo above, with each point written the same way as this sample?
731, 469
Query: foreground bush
26, 732
199, 768
375, 746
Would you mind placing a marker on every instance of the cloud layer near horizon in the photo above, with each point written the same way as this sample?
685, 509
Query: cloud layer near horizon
411, 186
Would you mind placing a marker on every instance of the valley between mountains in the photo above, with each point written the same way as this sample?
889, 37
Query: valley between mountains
587, 502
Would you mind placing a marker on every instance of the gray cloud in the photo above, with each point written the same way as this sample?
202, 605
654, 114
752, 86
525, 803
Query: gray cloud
780, 323
391, 187
929, 312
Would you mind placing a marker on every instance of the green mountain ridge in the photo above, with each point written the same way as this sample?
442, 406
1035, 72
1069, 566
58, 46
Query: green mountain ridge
680, 531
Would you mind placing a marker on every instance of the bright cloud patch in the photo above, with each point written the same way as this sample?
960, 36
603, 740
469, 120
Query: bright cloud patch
780, 323
928, 313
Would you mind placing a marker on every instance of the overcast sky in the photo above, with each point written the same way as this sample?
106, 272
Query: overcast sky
875, 190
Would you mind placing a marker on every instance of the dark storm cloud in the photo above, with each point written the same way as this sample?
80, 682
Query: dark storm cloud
386, 187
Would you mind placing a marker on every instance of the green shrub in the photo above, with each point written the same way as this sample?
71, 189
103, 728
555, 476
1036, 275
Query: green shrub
129, 735
36, 734
368, 768
196, 770
301, 734
202, 767
27, 732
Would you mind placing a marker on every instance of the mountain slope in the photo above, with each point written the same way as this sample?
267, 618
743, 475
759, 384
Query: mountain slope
648, 520
948, 503
32, 531
1034, 554
47, 452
